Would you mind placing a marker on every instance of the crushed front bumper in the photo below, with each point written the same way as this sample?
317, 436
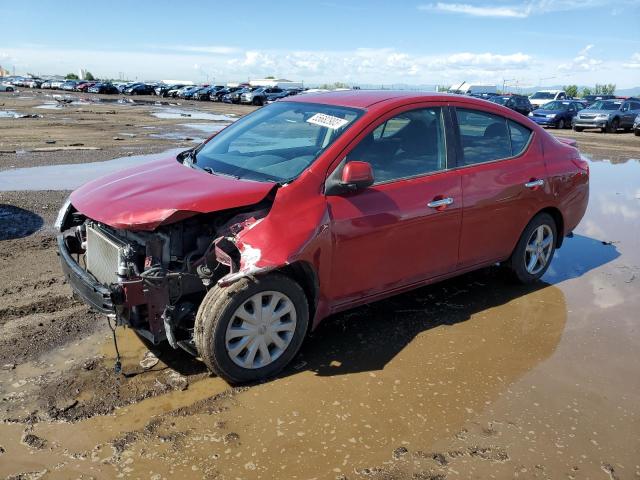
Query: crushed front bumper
96, 295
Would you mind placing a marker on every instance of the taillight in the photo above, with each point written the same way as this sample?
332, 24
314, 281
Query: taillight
581, 163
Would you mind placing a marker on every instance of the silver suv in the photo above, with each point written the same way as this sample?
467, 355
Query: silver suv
608, 115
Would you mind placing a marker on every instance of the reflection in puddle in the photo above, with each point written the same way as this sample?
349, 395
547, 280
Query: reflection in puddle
173, 113
68, 177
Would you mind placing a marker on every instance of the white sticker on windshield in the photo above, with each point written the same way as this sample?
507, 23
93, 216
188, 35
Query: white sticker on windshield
328, 121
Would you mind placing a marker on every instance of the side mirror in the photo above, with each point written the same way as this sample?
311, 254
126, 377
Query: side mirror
356, 175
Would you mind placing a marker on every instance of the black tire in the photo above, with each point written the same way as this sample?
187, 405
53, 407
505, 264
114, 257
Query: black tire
217, 310
613, 126
560, 125
636, 133
517, 262
578, 129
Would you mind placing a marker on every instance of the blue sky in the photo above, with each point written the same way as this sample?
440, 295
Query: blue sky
367, 42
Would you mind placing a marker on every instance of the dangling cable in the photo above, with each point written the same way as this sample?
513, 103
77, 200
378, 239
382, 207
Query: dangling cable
117, 366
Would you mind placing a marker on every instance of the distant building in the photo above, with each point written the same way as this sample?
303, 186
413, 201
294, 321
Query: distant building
177, 82
275, 82
3, 72
82, 73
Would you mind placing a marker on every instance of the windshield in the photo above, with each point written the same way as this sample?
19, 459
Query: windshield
276, 143
499, 100
604, 105
543, 96
555, 106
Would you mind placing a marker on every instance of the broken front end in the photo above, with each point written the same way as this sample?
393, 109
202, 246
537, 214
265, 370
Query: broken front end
153, 281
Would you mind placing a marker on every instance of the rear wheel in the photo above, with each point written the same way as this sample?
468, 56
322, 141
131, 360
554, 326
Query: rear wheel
252, 329
613, 126
636, 133
534, 250
561, 124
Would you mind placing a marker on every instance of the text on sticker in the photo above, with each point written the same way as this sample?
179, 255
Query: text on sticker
328, 121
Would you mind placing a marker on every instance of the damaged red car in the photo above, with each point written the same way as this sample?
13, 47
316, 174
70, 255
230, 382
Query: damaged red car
236, 249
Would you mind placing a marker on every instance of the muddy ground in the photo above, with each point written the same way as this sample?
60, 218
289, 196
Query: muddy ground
471, 378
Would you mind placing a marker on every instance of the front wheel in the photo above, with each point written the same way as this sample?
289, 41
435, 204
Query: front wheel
534, 250
252, 329
613, 126
560, 125
578, 129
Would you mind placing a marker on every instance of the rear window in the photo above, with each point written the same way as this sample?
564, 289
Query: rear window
486, 137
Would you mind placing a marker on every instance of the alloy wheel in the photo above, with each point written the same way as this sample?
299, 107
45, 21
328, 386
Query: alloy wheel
539, 248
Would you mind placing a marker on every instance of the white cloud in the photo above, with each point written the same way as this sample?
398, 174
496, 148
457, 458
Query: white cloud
634, 62
477, 11
582, 62
364, 66
524, 10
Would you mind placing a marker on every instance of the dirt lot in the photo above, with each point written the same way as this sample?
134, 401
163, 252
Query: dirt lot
470, 378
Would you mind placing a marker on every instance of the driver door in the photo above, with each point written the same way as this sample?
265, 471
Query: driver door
405, 228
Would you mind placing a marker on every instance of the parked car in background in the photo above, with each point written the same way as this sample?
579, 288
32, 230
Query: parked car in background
187, 93
543, 96
608, 115
258, 96
234, 250
139, 89
84, 86
46, 84
558, 113
175, 92
33, 83
518, 103
636, 126
161, 90
6, 87
272, 97
217, 97
102, 88
590, 99
69, 85
57, 84
234, 97
205, 93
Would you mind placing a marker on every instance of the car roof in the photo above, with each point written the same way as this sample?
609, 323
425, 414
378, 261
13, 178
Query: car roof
367, 98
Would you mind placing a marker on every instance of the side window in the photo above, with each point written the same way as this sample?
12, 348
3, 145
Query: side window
561, 96
484, 136
519, 137
408, 145
635, 106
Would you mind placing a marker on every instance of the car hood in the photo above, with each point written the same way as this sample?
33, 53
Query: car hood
161, 192
596, 110
548, 112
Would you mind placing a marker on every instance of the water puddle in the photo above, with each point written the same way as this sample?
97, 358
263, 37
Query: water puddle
8, 114
175, 113
69, 177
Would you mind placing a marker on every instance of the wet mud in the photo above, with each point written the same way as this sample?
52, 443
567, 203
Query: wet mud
474, 377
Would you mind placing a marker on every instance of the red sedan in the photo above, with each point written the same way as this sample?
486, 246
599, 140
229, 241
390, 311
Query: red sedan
315, 204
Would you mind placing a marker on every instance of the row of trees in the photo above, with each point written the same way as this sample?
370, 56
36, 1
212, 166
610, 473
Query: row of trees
599, 89
72, 76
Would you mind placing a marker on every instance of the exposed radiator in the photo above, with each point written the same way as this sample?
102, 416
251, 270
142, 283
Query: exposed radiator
102, 256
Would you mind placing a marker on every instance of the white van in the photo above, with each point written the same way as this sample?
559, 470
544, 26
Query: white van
545, 96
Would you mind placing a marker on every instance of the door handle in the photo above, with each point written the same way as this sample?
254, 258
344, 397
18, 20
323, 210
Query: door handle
534, 183
443, 202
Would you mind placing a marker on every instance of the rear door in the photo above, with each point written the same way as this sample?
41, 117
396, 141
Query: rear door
503, 184
405, 228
